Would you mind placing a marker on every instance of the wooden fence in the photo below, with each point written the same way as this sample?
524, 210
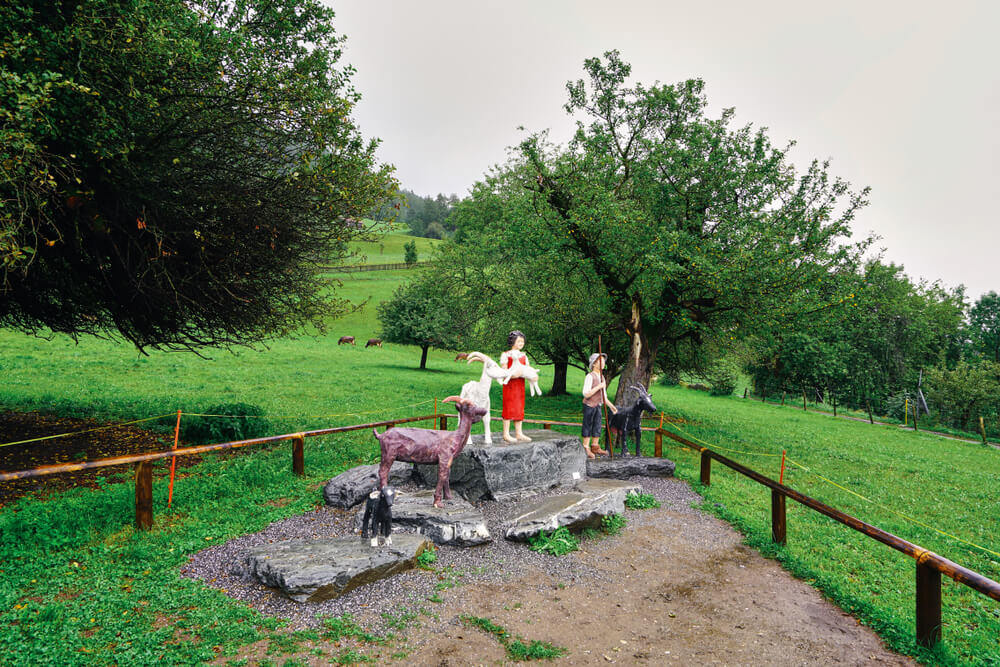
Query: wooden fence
355, 268
929, 566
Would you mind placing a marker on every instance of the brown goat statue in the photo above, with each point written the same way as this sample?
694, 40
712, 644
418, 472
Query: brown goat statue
374, 342
346, 339
421, 445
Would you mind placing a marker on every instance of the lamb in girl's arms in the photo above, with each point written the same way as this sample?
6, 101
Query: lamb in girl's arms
529, 374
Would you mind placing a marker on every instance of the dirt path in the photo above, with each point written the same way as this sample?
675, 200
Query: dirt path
677, 588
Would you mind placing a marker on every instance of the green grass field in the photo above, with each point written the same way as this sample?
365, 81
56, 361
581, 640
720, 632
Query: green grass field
388, 249
80, 586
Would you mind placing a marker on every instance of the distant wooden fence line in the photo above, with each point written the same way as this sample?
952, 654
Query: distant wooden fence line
929, 566
356, 268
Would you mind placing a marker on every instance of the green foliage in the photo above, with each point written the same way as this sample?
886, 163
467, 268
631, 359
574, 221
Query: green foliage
172, 171
641, 501
235, 421
558, 542
427, 558
410, 256
722, 376
984, 326
962, 395
517, 648
681, 228
613, 524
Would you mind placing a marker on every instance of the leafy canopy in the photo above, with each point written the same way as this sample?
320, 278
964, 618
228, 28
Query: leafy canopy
171, 170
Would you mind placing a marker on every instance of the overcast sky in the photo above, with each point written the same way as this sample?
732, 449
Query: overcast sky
902, 96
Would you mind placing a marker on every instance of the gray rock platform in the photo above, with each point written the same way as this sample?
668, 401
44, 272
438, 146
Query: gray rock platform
458, 523
352, 486
623, 467
317, 570
503, 470
592, 500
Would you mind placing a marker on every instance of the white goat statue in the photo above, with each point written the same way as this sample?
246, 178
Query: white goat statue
529, 374
478, 391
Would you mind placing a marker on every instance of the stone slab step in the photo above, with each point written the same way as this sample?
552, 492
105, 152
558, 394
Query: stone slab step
352, 486
504, 470
317, 570
458, 523
593, 500
623, 467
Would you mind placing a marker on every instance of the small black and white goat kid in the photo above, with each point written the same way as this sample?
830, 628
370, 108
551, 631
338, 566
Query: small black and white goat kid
628, 420
378, 511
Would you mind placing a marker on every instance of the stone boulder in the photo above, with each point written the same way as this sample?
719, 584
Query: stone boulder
585, 507
352, 486
503, 470
317, 570
623, 467
458, 523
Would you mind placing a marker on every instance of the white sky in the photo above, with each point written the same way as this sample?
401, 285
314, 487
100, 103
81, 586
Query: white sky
903, 96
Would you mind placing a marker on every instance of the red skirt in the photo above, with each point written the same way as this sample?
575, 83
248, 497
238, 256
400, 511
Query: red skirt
513, 400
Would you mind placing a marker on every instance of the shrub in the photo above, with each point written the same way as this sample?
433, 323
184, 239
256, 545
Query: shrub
723, 376
239, 421
641, 501
613, 524
556, 543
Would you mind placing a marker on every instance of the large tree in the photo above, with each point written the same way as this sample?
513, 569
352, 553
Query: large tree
694, 230
172, 170
984, 326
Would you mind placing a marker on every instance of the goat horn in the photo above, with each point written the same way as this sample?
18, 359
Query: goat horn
475, 356
454, 399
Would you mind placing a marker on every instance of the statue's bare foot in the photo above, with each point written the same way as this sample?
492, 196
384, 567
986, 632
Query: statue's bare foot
523, 438
507, 438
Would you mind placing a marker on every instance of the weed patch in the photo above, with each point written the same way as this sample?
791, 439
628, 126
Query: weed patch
641, 501
558, 542
517, 648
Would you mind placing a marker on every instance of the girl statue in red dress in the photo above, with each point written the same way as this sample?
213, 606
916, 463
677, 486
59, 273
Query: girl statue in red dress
513, 391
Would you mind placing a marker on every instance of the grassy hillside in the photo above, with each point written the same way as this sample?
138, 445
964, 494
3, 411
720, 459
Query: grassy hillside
114, 600
388, 249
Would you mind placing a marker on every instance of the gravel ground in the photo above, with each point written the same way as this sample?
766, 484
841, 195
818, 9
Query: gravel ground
490, 563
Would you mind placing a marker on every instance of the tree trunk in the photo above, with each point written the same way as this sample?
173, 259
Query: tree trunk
559, 377
423, 356
639, 369
868, 404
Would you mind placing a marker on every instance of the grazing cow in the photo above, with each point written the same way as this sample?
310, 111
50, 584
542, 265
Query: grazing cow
461, 356
374, 342
346, 339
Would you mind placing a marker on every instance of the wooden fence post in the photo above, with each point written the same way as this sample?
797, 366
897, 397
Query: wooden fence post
928, 605
443, 423
706, 467
144, 495
547, 426
658, 444
778, 516
298, 455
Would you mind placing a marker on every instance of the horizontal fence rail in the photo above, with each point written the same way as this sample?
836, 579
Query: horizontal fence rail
929, 565
356, 268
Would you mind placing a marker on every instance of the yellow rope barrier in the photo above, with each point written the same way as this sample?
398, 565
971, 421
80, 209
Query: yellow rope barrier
343, 414
89, 430
854, 493
889, 509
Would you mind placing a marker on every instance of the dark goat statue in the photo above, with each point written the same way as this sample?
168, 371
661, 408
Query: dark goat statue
378, 512
628, 420
422, 445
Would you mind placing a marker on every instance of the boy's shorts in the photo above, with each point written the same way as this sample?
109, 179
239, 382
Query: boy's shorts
591, 422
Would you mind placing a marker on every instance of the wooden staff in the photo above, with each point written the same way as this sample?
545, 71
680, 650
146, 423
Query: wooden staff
604, 406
